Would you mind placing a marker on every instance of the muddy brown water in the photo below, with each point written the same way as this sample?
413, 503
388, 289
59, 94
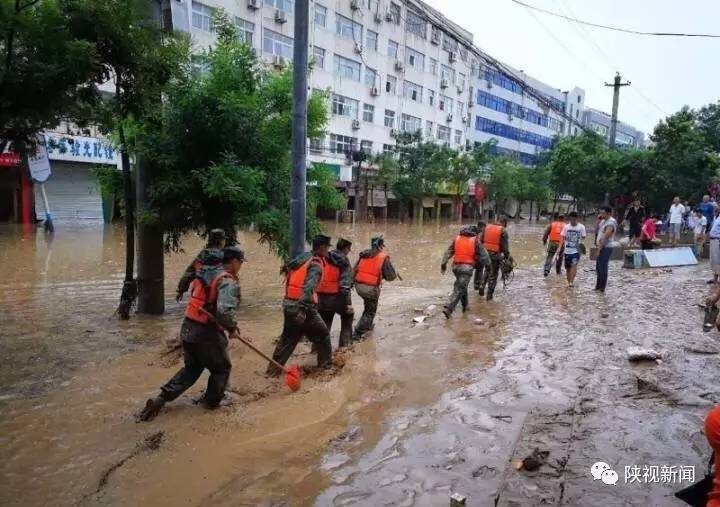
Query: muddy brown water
417, 413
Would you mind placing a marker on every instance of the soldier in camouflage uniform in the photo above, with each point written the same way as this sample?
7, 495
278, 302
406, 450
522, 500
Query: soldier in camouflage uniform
497, 244
480, 270
371, 269
211, 255
216, 290
466, 252
334, 292
300, 307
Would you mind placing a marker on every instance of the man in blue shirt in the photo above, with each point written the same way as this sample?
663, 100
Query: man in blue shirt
715, 249
708, 210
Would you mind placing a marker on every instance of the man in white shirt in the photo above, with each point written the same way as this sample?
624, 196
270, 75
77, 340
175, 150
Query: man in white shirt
699, 231
677, 211
573, 235
605, 242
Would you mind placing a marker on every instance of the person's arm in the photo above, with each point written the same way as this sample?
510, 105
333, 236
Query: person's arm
449, 253
346, 282
546, 234
227, 302
482, 258
605, 235
186, 279
505, 243
312, 279
388, 270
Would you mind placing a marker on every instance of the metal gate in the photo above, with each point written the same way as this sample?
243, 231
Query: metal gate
73, 194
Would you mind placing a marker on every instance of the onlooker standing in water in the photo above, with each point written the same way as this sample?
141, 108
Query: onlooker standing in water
699, 232
605, 239
677, 211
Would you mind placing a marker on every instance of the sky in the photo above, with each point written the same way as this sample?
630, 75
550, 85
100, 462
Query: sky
666, 72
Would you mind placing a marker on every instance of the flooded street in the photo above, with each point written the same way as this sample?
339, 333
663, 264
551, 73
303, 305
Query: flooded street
418, 412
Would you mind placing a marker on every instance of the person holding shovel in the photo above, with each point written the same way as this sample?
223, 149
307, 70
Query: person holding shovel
211, 255
300, 307
210, 312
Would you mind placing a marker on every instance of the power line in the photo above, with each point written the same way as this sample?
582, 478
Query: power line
614, 28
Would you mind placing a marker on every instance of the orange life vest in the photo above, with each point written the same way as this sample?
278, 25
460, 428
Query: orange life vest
465, 250
556, 231
369, 269
296, 278
330, 283
203, 296
493, 238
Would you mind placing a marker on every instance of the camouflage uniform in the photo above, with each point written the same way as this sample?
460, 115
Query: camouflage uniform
552, 249
492, 272
301, 318
341, 303
208, 257
205, 345
371, 293
464, 272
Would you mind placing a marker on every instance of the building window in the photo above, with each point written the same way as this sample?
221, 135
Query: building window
416, 24
202, 16
433, 67
429, 129
392, 49
395, 13
391, 84
368, 113
410, 123
246, 30
412, 91
460, 109
346, 27
370, 77
458, 137
319, 55
390, 119
344, 106
449, 43
342, 144
373, 5
320, 15
447, 74
514, 133
371, 40
366, 147
284, 5
316, 145
443, 133
344, 67
415, 59
277, 44
505, 106
461, 80
389, 148
431, 97
446, 103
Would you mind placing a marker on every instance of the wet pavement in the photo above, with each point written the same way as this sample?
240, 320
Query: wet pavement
418, 412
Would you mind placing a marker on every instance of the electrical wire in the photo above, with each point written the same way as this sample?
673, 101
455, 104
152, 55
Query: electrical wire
615, 28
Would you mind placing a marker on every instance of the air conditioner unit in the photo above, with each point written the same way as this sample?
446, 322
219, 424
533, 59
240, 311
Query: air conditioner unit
489, 85
399, 66
510, 117
435, 38
389, 16
358, 49
464, 119
452, 56
253, 4
378, 18
393, 132
450, 117
460, 89
444, 83
355, 5
471, 104
375, 91
356, 124
279, 61
280, 16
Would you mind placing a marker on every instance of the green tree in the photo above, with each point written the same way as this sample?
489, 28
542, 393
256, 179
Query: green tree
708, 120
502, 181
464, 167
385, 174
219, 149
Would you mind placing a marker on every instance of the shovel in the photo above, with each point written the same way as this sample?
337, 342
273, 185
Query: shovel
292, 372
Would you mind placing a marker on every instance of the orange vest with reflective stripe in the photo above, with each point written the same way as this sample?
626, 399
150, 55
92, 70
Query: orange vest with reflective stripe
556, 231
330, 283
296, 278
493, 237
369, 269
202, 296
464, 250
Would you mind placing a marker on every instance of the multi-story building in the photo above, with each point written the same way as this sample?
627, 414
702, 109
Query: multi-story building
521, 125
627, 136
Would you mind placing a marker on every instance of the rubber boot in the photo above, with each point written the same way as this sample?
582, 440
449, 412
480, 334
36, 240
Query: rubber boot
151, 410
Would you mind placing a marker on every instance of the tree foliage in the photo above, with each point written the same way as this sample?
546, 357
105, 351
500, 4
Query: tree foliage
219, 149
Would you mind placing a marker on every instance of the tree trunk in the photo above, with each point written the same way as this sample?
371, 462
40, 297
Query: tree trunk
531, 210
372, 201
129, 290
420, 212
150, 268
438, 207
387, 204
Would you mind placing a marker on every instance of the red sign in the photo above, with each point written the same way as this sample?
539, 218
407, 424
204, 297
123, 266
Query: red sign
479, 192
9, 159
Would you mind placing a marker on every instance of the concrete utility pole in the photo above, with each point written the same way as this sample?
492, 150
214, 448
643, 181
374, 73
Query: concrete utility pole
616, 102
299, 128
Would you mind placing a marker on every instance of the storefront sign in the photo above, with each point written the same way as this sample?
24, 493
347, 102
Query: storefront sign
81, 149
39, 162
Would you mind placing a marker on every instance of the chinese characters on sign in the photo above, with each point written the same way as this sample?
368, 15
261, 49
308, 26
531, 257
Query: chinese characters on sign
661, 474
80, 149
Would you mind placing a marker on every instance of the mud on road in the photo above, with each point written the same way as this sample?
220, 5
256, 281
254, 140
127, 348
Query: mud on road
417, 412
